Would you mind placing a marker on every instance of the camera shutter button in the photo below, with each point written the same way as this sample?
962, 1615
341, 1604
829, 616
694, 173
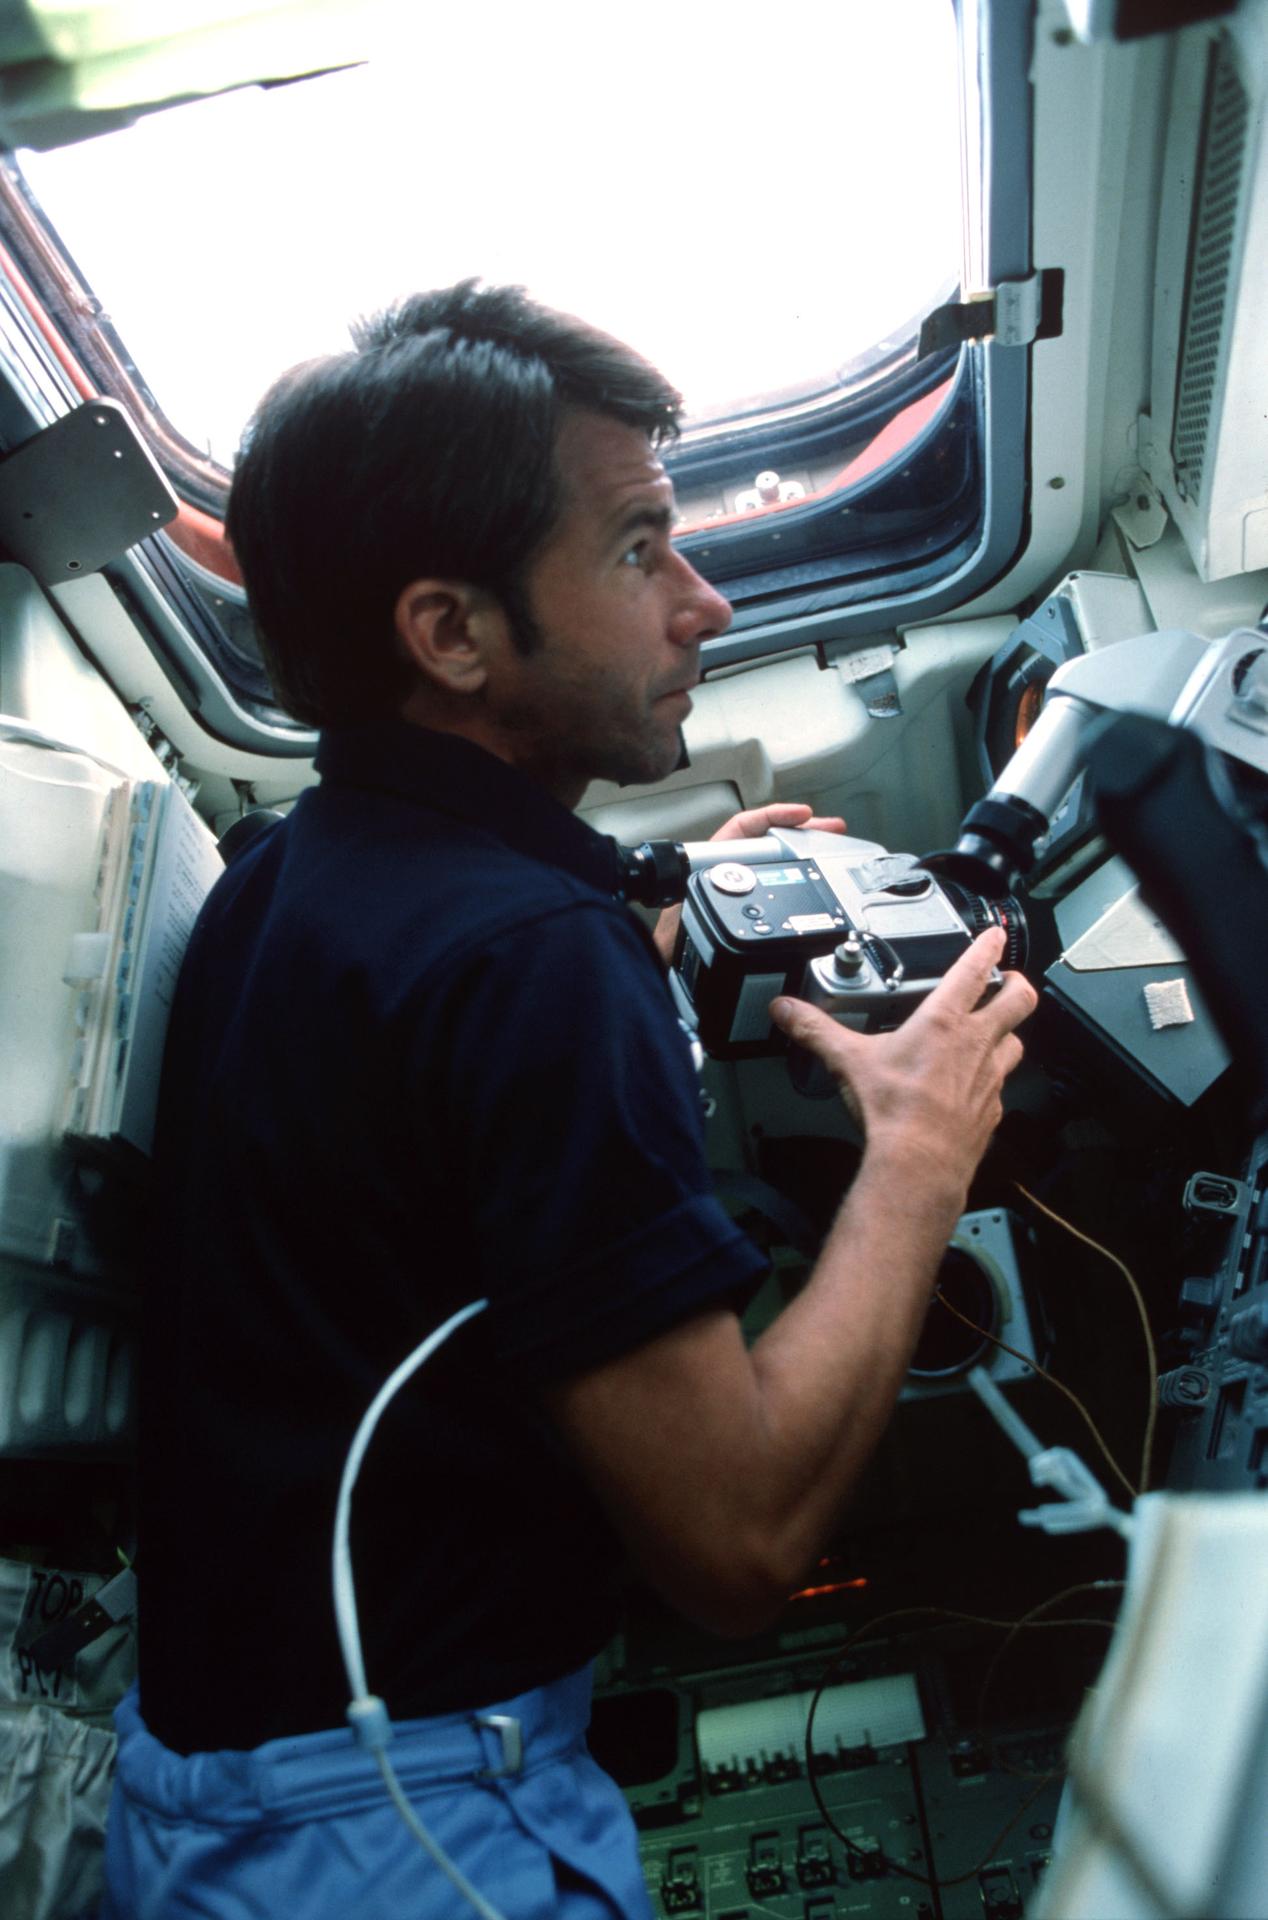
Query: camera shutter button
848, 957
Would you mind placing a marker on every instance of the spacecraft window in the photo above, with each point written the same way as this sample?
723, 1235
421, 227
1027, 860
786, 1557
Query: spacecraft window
767, 202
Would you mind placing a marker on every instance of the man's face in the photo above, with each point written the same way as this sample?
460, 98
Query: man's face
620, 614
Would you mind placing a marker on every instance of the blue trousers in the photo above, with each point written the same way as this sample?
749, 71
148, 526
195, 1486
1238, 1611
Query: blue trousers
304, 1828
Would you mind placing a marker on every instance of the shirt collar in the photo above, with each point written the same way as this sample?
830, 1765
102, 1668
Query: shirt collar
450, 775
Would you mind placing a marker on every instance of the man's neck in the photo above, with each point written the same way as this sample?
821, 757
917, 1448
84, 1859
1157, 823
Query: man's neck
467, 719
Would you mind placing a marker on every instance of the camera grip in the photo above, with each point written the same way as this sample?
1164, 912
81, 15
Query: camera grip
808, 1074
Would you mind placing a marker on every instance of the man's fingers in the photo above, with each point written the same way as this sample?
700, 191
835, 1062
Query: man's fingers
782, 813
818, 1032
755, 821
1015, 1002
959, 992
962, 986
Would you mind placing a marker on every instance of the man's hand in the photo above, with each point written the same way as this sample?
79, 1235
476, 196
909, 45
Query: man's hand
928, 1094
726, 1466
749, 825
756, 821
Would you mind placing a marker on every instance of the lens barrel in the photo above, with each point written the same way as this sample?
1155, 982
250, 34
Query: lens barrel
978, 913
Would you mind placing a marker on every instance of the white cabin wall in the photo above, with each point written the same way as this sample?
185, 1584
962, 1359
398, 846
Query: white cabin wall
224, 775
66, 1320
48, 681
1127, 288
794, 730
1097, 115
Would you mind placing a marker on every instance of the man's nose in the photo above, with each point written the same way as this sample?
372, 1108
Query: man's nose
705, 612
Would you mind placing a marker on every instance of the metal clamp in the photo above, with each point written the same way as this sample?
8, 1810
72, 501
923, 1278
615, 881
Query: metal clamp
512, 1735
1216, 1193
1015, 313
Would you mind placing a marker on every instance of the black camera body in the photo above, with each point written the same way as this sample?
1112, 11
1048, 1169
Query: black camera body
863, 933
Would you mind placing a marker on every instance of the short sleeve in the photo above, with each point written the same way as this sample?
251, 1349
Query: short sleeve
554, 1086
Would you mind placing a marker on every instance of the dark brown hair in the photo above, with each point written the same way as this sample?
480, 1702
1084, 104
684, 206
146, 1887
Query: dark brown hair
429, 450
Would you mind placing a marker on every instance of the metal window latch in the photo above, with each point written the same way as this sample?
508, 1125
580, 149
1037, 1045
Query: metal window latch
512, 1735
870, 670
1013, 314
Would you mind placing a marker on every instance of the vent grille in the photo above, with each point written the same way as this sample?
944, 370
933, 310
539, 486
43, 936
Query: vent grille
1219, 194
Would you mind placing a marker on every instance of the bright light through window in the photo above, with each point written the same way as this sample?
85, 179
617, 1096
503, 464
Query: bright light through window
750, 195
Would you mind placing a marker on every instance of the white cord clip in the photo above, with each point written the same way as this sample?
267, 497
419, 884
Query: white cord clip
1084, 1504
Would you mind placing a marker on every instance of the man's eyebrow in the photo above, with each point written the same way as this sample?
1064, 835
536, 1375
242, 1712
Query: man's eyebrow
659, 519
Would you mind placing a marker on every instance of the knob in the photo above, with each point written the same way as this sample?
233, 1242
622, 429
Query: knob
848, 957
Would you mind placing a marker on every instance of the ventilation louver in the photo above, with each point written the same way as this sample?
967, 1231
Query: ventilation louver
1206, 445
1219, 192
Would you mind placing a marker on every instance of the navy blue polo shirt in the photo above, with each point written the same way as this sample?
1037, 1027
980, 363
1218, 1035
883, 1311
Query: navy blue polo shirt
420, 1054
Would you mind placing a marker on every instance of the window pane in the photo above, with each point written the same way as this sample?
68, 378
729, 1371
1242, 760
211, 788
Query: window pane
753, 196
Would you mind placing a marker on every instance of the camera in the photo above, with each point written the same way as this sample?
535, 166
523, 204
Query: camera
841, 922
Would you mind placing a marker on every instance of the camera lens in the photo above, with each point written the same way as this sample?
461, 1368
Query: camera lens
978, 913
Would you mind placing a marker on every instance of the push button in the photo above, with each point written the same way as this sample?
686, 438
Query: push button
732, 876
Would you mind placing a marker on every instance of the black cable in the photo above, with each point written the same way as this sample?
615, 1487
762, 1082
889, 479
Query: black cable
955, 1617
1033, 1619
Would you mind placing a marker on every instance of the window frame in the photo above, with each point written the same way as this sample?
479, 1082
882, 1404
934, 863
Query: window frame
993, 380
182, 584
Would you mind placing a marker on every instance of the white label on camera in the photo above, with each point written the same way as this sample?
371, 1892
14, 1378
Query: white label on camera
811, 922
751, 1020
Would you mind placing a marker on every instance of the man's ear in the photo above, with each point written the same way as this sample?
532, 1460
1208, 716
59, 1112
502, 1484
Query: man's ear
447, 629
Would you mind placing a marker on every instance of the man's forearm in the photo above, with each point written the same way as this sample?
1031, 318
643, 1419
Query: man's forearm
728, 1469
829, 1370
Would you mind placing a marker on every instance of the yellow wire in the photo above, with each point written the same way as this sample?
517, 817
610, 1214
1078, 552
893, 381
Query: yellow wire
1151, 1352
1052, 1380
